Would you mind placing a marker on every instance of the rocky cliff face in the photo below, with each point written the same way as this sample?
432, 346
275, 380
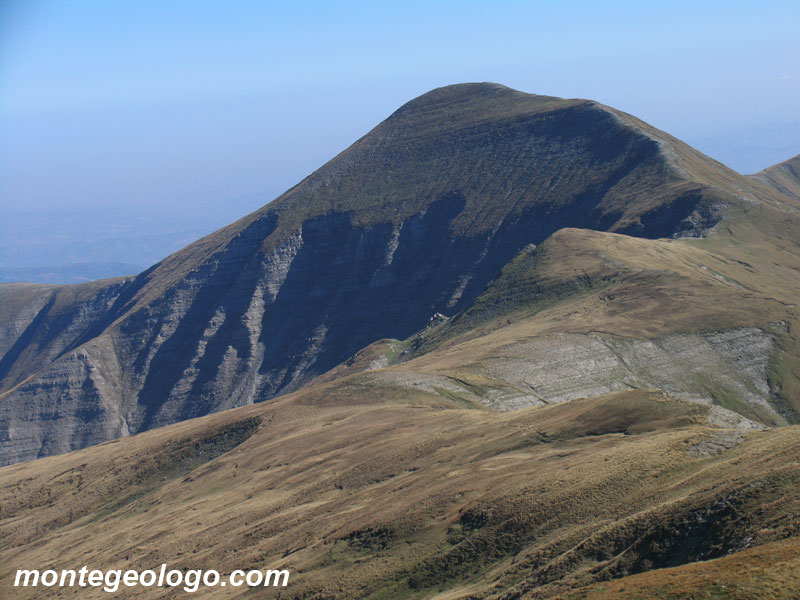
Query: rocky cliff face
415, 218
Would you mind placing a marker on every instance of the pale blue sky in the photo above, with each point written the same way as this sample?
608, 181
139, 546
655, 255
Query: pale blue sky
220, 105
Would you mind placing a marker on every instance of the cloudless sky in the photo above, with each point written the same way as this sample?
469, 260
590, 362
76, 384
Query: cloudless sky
218, 106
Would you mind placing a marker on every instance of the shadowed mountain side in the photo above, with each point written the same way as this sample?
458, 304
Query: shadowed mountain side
38, 323
392, 495
417, 217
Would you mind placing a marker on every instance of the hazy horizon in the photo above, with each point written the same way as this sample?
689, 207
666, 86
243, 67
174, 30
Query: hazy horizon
190, 115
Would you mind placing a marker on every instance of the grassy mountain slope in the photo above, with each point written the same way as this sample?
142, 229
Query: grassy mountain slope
768, 572
406, 496
784, 177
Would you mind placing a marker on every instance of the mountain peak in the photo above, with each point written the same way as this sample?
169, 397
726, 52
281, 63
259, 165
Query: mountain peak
475, 99
416, 217
461, 92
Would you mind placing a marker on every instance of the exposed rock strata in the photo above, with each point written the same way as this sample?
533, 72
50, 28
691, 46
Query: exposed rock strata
725, 370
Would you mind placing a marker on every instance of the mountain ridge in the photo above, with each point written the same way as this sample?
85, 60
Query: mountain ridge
416, 217
784, 177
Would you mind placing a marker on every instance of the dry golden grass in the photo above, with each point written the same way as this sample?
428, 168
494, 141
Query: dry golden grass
386, 500
768, 572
